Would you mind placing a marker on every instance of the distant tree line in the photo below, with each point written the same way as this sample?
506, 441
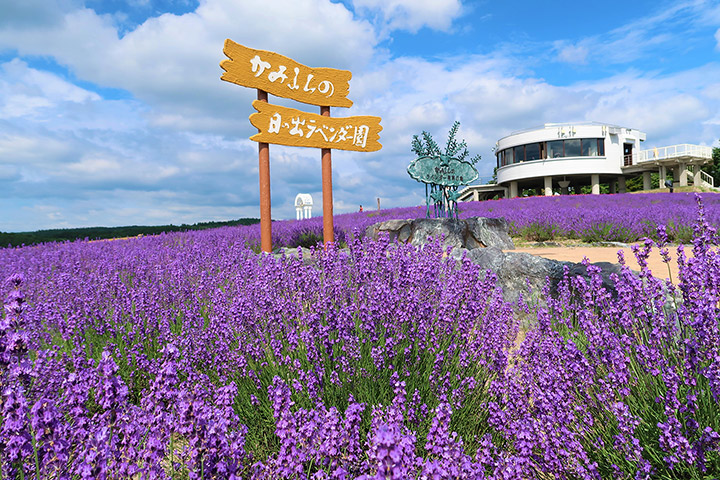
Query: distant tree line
101, 233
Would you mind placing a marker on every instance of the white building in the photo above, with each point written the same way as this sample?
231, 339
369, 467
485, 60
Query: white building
303, 206
558, 157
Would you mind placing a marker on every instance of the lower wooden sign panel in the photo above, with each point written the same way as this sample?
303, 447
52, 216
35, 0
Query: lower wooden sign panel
288, 126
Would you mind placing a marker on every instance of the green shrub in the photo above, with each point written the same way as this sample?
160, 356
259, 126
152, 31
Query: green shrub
309, 239
540, 232
607, 232
679, 233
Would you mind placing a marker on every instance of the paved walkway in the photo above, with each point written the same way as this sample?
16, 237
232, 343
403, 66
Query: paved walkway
607, 254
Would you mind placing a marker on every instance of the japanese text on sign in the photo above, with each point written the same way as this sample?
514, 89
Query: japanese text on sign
288, 126
442, 170
284, 77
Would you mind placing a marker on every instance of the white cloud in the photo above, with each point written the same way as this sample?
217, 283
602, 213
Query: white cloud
32, 12
670, 108
573, 54
80, 36
27, 92
413, 15
28, 151
22, 105
712, 91
178, 53
717, 39
101, 167
665, 29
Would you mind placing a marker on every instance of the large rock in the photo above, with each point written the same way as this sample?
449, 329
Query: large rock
471, 233
522, 273
606, 269
305, 254
488, 232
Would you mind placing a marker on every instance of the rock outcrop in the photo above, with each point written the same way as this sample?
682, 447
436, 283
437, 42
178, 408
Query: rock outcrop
521, 273
470, 233
482, 241
298, 252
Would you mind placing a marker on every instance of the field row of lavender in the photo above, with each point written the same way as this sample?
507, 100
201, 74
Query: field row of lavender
187, 355
592, 218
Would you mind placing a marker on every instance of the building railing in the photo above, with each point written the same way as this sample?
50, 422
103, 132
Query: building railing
673, 151
707, 178
568, 125
704, 179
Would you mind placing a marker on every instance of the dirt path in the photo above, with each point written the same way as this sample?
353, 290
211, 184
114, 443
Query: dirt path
572, 253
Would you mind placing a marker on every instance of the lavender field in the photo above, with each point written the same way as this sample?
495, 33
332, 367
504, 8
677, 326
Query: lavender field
188, 355
592, 218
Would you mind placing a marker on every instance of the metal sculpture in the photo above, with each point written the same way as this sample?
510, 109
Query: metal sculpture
442, 173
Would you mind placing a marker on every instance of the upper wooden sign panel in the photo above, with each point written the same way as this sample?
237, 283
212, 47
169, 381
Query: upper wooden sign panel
284, 77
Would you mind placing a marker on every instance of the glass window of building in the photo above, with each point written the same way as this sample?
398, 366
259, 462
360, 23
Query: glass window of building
589, 147
519, 153
532, 151
572, 148
555, 149
508, 156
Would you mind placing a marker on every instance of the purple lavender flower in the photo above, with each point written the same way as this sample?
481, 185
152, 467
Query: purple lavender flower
14, 432
391, 453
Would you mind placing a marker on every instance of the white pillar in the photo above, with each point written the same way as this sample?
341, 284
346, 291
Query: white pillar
513, 189
647, 183
298, 213
595, 182
697, 179
308, 211
683, 174
663, 176
621, 185
548, 186
476, 195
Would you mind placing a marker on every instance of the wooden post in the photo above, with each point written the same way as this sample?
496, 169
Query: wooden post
328, 228
264, 174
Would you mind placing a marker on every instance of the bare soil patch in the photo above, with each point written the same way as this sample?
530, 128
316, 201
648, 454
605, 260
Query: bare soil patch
575, 251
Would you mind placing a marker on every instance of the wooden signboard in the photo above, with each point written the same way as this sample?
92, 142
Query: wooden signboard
270, 72
284, 77
288, 126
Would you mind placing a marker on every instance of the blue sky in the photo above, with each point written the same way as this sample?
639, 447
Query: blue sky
113, 112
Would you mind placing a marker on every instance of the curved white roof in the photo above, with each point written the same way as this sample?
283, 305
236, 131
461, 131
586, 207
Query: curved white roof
303, 199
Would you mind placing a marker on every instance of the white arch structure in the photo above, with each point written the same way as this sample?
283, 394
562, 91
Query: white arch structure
303, 206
